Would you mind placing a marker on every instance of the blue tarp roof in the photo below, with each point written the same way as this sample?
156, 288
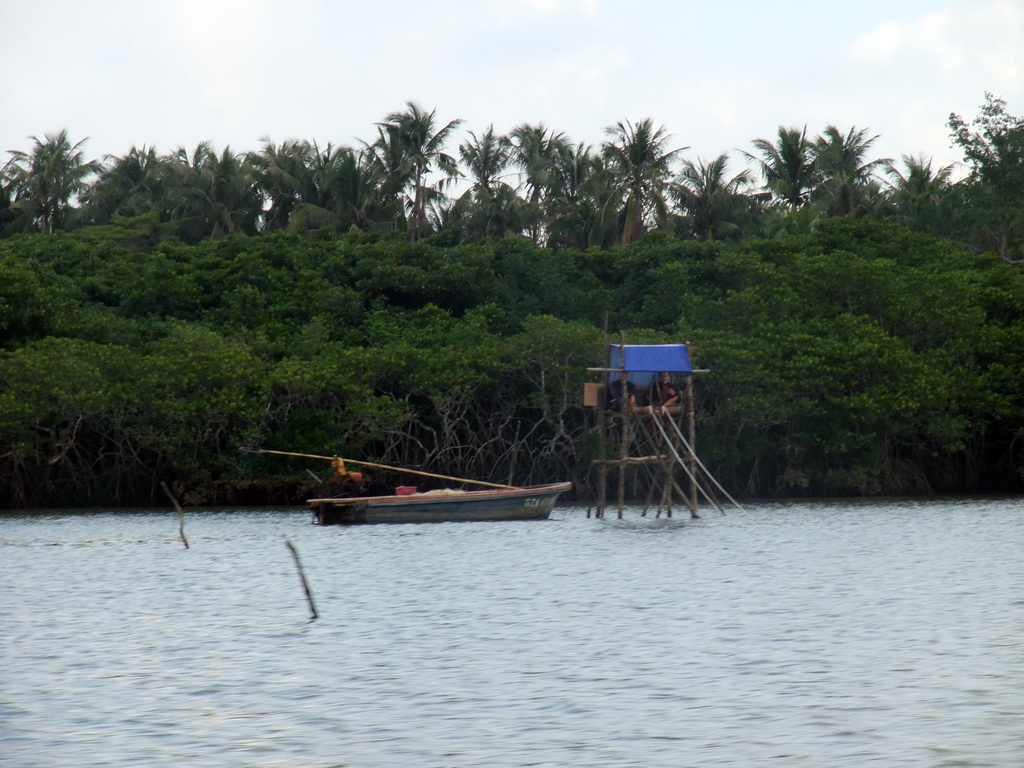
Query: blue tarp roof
651, 358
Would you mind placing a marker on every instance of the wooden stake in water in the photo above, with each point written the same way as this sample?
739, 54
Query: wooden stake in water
181, 512
302, 575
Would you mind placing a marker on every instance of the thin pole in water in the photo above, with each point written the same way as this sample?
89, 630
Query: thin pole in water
302, 576
181, 512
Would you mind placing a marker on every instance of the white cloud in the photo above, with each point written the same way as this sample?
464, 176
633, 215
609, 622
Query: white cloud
1003, 59
917, 71
176, 72
558, 6
985, 40
880, 44
217, 42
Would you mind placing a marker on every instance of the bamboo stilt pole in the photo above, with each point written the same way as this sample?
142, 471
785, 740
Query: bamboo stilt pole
666, 495
668, 486
602, 473
691, 410
686, 500
647, 501
627, 436
625, 421
602, 477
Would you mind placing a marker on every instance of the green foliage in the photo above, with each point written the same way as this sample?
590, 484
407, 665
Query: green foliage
993, 197
407, 275
837, 359
537, 281
105, 420
24, 298
63, 404
859, 357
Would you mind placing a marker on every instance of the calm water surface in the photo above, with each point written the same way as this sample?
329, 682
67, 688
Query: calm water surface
883, 633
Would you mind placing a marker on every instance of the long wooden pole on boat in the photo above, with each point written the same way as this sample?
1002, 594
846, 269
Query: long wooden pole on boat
381, 466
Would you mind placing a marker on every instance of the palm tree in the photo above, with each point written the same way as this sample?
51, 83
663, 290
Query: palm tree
535, 151
572, 166
496, 213
387, 170
642, 169
577, 198
211, 194
490, 206
409, 148
336, 190
714, 207
918, 192
486, 158
787, 166
15, 214
48, 179
281, 174
130, 185
846, 178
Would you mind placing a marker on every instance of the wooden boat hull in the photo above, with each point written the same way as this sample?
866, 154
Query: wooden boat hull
500, 504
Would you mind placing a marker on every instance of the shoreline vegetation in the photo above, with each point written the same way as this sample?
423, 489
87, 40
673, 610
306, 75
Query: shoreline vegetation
863, 325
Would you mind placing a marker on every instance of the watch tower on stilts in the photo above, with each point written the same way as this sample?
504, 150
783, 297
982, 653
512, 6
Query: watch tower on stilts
643, 444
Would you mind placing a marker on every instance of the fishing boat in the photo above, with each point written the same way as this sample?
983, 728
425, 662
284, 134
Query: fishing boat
441, 506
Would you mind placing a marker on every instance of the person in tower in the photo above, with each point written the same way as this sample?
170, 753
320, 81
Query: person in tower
664, 393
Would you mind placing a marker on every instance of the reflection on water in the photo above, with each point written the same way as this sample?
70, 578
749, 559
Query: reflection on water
810, 634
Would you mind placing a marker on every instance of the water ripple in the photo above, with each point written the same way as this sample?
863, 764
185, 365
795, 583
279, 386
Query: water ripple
870, 633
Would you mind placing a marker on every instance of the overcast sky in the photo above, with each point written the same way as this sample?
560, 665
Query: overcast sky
716, 73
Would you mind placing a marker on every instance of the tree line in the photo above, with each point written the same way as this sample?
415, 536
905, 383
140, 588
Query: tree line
535, 182
849, 353
860, 358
